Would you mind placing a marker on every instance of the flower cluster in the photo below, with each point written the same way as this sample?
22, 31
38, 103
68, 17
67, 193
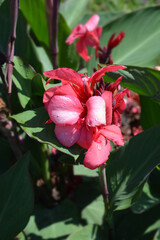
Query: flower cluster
89, 34
86, 111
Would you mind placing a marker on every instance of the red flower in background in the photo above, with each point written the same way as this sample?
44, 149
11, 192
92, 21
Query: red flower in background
84, 114
88, 34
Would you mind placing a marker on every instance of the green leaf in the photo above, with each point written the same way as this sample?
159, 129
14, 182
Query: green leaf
83, 171
67, 56
142, 50
6, 153
150, 113
129, 167
22, 76
157, 235
16, 199
89, 232
94, 212
53, 223
73, 16
144, 81
138, 226
146, 201
34, 12
33, 123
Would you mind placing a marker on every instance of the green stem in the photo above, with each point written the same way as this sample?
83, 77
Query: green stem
104, 191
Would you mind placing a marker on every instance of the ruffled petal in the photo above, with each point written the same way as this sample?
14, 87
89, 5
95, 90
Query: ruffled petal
92, 23
107, 96
48, 95
77, 32
85, 137
64, 110
113, 133
97, 154
96, 111
113, 86
67, 135
65, 74
82, 49
116, 118
65, 90
100, 73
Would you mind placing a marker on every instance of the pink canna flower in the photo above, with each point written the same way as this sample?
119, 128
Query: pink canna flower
84, 114
88, 34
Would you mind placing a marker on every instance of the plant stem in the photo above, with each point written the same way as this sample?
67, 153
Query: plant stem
52, 18
11, 43
104, 190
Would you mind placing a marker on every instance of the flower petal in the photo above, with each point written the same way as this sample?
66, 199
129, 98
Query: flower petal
48, 95
92, 23
82, 49
67, 135
64, 109
96, 111
77, 32
100, 73
85, 137
65, 74
107, 96
97, 154
113, 133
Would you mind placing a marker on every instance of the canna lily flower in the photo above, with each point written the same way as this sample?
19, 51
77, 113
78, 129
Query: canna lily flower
88, 34
105, 53
84, 114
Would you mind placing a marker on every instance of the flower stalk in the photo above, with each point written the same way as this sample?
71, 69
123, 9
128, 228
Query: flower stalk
52, 18
104, 190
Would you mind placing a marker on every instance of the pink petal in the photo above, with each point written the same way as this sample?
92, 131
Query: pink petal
64, 109
65, 74
96, 111
107, 96
82, 49
120, 104
48, 95
65, 90
77, 32
92, 23
85, 137
100, 73
116, 118
112, 87
67, 135
113, 133
97, 154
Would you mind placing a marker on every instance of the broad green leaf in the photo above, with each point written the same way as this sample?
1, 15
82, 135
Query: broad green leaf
73, 11
23, 45
33, 123
142, 50
83, 171
67, 56
94, 212
146, 201
16, 202
89, 232
6, 155
129, 167
35, 14
144, 81
150, 113
157, 235
53, 223
138, 226
22, 76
